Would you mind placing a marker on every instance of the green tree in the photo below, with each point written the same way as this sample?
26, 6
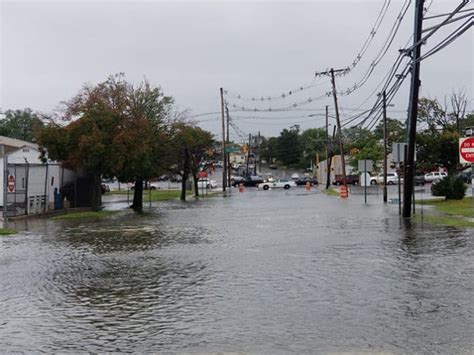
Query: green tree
288, 147
432, 114
85, 144
20, 124
437, 149
268, 148
395, 132
313, 142
117, 132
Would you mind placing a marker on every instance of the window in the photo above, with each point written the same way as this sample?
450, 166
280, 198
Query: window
22, 182
52, 180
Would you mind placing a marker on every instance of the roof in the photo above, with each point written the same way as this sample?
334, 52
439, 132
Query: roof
16, 143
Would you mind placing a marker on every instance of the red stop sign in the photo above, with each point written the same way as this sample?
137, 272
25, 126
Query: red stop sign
466, 150
202, 174
11, 183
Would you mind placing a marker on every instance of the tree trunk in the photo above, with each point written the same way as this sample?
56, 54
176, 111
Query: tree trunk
96, 195
183, 187
185, 174
196, 188
137, 205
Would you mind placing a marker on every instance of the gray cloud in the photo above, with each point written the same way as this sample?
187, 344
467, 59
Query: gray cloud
49, 49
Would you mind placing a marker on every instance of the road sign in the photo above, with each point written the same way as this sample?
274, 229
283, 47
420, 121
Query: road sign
466, 150
11, 183
231, 149
365, 165
398, 152
202, 174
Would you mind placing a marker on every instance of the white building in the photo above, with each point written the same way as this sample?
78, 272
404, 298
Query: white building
27, 184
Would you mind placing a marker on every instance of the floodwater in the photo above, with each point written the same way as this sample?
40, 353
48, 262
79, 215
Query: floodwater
260, 272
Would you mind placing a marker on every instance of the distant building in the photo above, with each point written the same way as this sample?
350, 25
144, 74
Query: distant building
238, 158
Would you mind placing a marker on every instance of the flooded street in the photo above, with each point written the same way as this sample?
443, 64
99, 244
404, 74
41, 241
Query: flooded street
262, 271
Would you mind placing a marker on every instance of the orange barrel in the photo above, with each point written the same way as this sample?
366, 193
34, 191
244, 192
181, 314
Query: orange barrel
308, 186
241, 187
343, 192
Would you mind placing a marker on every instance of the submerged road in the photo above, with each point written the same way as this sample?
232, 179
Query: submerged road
266, 272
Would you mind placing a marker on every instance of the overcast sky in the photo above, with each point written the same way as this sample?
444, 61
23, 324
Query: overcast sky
191, 49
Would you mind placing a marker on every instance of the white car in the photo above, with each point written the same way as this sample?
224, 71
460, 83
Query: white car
435, 176
280, 183
392, 179
206, 184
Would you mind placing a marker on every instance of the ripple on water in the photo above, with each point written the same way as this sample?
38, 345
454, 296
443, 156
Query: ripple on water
259, 272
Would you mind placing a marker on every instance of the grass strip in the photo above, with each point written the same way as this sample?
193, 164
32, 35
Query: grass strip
446, 221
464, 207
330, 192
7, 231
156, 195
85, 215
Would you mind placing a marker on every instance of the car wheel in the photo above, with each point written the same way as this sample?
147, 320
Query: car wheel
390, 183
266, 187
337, 183
286, 187
153, 188
373, 182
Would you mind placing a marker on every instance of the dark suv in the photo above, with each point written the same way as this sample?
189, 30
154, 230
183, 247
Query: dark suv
350, 180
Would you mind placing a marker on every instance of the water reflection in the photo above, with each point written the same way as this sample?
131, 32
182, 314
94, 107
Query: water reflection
258, 272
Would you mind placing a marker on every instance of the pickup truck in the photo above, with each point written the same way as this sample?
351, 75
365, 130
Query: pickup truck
350, 180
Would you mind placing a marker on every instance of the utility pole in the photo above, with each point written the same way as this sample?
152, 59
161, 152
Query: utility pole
228, 141
385, 192
338, 122
409, 170
328, 158
258, 154
223, 143
248, 155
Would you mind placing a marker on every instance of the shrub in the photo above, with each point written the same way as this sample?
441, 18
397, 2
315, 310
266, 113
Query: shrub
453, 188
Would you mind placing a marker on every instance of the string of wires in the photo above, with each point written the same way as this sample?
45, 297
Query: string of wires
382, 52
360, 54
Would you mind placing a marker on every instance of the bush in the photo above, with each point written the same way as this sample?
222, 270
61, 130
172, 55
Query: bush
453, 188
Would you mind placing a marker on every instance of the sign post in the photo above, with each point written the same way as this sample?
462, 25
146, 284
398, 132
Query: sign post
366, 166
466, 156
11, 183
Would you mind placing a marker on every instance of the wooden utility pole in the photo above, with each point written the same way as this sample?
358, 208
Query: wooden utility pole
385, 192
227, 141
338, 122
258, 154
248, 155
409, 171
224, 166
328, 158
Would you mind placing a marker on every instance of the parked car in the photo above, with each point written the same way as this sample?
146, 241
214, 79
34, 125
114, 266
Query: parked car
392, 179
206, 184
350, 180
176, 178
252, 181
105, 188
280, 183
236, 180
304, 179
419, 180
273, 166
435, 176
219, 164
295, 176
465, 175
